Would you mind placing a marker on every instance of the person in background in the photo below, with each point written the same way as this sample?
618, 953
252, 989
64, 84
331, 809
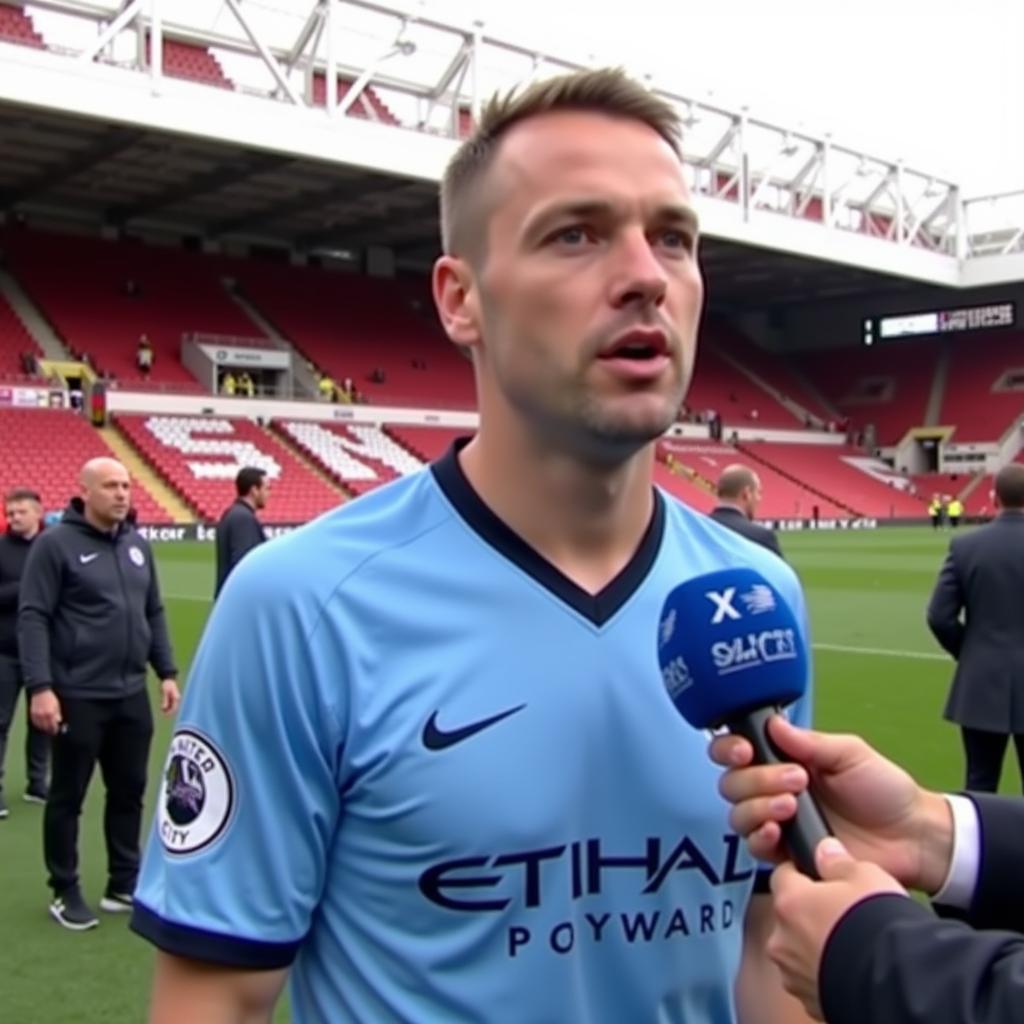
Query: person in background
955, 511
974, 613
90, 618
739, 494
24, 513
144, 356
239, 530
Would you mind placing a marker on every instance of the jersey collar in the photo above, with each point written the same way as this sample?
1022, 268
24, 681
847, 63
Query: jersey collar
599, 607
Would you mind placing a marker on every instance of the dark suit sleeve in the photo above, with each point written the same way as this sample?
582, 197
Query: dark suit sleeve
771, 542
999, 897
945, 605
889, 959
161, 656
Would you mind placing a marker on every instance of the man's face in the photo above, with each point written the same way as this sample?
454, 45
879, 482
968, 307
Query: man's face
260, 494
586, 300
23, 517
107, 494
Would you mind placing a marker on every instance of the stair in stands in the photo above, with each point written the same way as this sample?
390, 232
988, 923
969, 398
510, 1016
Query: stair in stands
146, 475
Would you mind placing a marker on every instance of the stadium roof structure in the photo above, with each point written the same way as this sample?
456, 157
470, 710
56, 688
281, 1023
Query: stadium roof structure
94, 130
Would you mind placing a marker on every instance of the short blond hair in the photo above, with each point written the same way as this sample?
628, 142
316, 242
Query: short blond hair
607, 91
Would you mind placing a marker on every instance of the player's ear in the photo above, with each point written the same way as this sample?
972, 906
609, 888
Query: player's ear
457, 300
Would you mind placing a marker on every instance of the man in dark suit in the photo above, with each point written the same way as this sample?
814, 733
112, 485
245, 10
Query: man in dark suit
853, 947
739, 494
239, 531
983, 578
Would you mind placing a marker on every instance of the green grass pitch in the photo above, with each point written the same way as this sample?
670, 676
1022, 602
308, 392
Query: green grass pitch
878, 673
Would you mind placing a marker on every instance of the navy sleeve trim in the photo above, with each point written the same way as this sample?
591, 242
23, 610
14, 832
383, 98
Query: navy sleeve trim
211, 947
762, 881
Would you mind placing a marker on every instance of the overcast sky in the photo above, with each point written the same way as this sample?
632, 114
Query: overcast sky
939, 83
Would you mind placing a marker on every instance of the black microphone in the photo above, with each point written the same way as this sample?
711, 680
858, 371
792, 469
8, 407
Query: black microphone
732, 654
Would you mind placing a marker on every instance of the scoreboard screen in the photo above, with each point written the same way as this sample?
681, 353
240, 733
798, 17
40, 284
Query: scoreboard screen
940, 321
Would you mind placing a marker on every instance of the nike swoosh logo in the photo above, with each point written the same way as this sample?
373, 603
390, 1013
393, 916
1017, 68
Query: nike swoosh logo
86, 559
435, 738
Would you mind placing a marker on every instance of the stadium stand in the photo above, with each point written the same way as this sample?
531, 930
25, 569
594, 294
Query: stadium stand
368, 104
989, 394
360, 327
772, 369
887, 385
783, 497
200, 456
927, 484
194, 63
82, 286
46, 448
15, 341
426, 443
17, 27
359, 456
823, 470
717, 385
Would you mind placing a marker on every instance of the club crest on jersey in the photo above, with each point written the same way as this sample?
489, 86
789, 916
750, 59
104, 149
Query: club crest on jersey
136, 555
198, 794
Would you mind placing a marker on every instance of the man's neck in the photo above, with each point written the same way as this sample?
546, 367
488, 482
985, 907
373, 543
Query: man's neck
587, 520
246, 500
725, 503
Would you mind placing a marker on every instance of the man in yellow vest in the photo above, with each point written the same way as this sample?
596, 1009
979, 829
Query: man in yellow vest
955, 511
935, 511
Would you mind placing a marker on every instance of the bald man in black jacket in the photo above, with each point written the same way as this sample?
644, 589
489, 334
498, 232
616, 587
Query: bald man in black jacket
739, 494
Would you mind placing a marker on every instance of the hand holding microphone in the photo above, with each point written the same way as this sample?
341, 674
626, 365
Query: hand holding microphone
732, 654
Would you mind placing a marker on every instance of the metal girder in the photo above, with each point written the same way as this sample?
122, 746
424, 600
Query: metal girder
108, 145
268, 58
310, 32
200, 184
122, 21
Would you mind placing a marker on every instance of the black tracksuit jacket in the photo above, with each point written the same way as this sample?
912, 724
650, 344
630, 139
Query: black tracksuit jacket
90, 615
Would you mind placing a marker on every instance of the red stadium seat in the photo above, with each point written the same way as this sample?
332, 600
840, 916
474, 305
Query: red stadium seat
200, 457
46, 448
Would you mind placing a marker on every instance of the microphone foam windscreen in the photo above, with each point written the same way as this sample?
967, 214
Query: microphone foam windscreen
729, 643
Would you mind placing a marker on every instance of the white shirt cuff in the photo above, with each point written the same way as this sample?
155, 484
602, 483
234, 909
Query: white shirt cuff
958, 889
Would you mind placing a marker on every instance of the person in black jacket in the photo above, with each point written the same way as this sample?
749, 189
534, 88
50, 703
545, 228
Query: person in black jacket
90, 617
982, 580
239, 531
739, 494
24, 514
854, 947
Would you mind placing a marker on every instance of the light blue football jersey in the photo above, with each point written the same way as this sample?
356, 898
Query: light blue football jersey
419, 765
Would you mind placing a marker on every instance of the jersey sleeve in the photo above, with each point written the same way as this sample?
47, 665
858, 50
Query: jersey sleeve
250, 794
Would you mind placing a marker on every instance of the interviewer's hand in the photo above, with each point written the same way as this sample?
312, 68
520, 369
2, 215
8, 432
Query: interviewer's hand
170, 697
806, 912
44, 710
873, 805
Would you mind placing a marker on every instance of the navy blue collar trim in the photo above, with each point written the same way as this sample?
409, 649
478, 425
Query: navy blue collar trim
598, 608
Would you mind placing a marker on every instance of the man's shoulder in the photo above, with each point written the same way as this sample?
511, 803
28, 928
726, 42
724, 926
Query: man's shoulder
321, 555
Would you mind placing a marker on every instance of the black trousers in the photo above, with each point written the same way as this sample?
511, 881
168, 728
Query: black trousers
985, 752
37, 744
116, 733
